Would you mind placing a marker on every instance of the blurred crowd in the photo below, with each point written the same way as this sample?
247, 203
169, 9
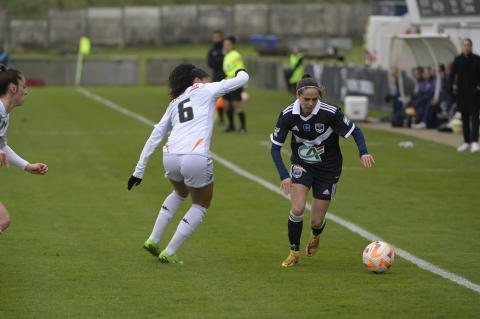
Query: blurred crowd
415, 103
431, 97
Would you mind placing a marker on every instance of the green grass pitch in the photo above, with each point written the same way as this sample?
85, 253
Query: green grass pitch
74, 247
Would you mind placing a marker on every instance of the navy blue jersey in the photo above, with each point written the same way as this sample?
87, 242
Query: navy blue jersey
314, 140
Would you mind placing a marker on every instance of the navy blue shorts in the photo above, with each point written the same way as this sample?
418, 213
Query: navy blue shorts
324, 186
234, 95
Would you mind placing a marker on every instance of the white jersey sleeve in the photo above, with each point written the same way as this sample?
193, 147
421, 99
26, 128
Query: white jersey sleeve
14, 158
225, 86
11, 155
156, 137
3, 125
190, 117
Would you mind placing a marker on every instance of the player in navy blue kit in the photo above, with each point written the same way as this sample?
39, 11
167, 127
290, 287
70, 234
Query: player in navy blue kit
316, 160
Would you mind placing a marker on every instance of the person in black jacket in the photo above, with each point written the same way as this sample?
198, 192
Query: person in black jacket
215, 62
466, 72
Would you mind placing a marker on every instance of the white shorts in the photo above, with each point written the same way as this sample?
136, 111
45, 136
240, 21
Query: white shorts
194, 170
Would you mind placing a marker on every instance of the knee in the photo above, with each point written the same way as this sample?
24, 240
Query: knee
297, 210
295, 218
204, 203
317, 223
183, 193
4, 219
4, 224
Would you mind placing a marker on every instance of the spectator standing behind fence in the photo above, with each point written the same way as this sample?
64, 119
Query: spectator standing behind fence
215, 62
233, 101
466, 72
295, 69
395, 97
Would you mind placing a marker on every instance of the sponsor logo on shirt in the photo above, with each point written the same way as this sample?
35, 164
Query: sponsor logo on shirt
311, 154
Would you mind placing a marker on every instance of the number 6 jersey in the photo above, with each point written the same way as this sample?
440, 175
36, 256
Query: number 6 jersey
190, 117
314, 137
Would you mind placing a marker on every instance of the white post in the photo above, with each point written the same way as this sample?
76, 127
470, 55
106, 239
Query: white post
78, 73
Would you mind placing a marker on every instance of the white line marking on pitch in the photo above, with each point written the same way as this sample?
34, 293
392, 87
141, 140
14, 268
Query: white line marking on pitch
274, 188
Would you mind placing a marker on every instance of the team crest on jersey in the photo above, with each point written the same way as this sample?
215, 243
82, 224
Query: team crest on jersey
297, 171
306, 127
311, 154
319, 127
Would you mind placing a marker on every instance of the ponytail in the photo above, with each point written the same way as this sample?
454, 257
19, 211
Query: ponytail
7, 77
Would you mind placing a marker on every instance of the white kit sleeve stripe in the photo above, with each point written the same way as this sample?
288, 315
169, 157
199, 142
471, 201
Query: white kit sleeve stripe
275, 142
225, 86
350, 132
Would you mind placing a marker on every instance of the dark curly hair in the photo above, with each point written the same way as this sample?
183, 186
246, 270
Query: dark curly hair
180, 79
8, 76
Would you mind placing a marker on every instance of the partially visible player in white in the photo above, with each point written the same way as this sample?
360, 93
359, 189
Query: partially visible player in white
186, 155
13, 91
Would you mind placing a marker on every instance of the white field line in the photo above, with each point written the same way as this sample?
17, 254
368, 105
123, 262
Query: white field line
356, 168
274, 188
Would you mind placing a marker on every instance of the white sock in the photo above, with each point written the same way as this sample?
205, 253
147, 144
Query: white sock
168, 210
186, 227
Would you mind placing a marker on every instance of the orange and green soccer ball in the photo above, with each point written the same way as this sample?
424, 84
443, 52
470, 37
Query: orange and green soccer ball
378, 256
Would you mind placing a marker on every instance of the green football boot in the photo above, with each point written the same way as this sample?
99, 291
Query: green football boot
167, 259
152, 247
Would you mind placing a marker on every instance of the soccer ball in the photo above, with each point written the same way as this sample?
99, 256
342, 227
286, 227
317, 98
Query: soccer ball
378, 256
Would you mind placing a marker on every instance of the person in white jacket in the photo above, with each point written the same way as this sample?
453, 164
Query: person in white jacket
186, 155
13, 91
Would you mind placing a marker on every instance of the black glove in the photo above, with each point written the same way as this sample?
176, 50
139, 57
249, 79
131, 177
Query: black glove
133, 181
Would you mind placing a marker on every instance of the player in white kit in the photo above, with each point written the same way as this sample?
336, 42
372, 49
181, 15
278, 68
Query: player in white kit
186, 155
13, 91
